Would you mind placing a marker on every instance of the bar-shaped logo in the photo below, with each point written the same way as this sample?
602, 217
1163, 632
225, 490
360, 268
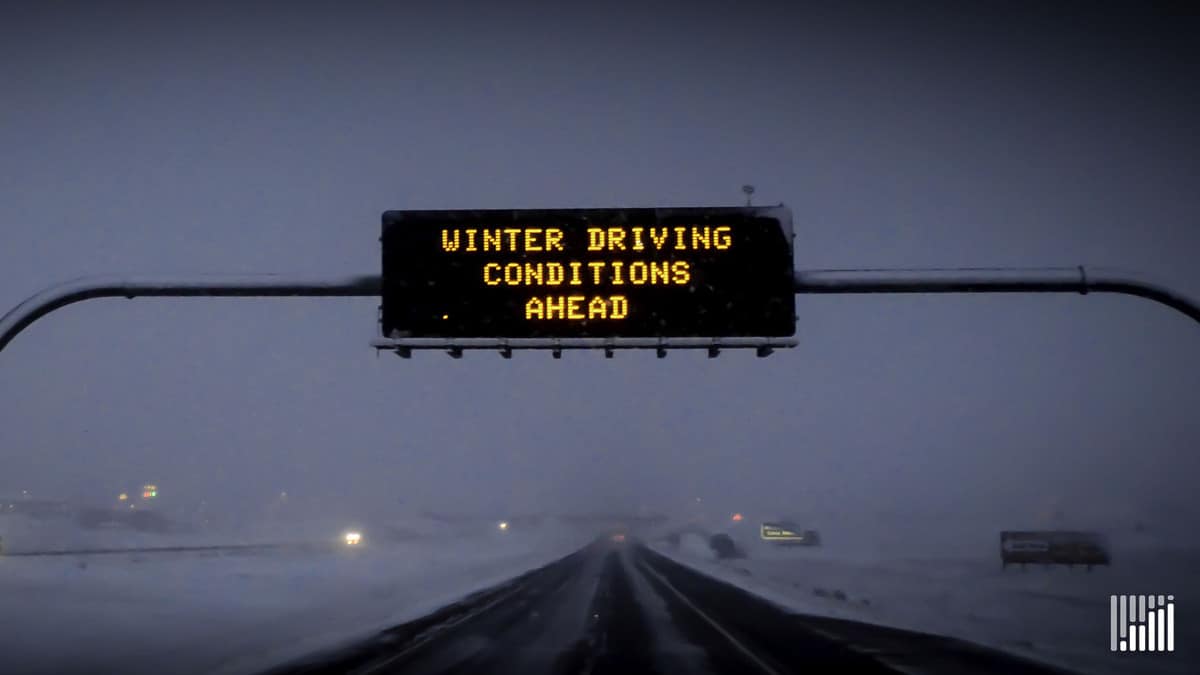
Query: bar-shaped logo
1142, 623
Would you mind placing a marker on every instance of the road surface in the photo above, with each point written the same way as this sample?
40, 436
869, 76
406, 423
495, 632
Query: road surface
618, 607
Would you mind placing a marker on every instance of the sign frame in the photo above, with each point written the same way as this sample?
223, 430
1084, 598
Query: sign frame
764, 345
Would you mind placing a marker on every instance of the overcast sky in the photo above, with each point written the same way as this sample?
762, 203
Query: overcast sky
159, 139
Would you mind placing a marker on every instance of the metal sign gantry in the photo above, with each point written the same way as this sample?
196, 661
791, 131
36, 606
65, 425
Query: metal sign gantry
1075, 280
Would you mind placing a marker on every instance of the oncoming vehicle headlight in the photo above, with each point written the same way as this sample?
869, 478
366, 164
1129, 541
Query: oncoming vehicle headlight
352, 538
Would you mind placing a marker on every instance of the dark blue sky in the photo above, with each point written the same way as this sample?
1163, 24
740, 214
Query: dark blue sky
218, 138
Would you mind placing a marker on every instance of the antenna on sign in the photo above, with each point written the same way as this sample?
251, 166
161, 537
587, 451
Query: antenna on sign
748, 190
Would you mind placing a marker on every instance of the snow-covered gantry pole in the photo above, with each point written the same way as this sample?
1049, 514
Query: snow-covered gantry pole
846, 281
253, 286
994, 280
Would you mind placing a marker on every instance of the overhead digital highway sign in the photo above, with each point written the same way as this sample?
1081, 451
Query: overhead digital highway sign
789, 534
571, 274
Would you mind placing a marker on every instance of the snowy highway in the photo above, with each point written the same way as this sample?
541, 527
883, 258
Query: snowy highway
619, 607
552, 598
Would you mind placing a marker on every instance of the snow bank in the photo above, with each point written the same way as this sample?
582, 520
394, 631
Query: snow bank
191, 613
1057, 615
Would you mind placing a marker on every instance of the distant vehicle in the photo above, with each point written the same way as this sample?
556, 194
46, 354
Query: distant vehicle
1053, 547
352, 538
724, 546
787, 533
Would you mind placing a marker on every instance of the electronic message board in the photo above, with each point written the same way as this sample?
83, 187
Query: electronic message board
569, 274
787, 533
